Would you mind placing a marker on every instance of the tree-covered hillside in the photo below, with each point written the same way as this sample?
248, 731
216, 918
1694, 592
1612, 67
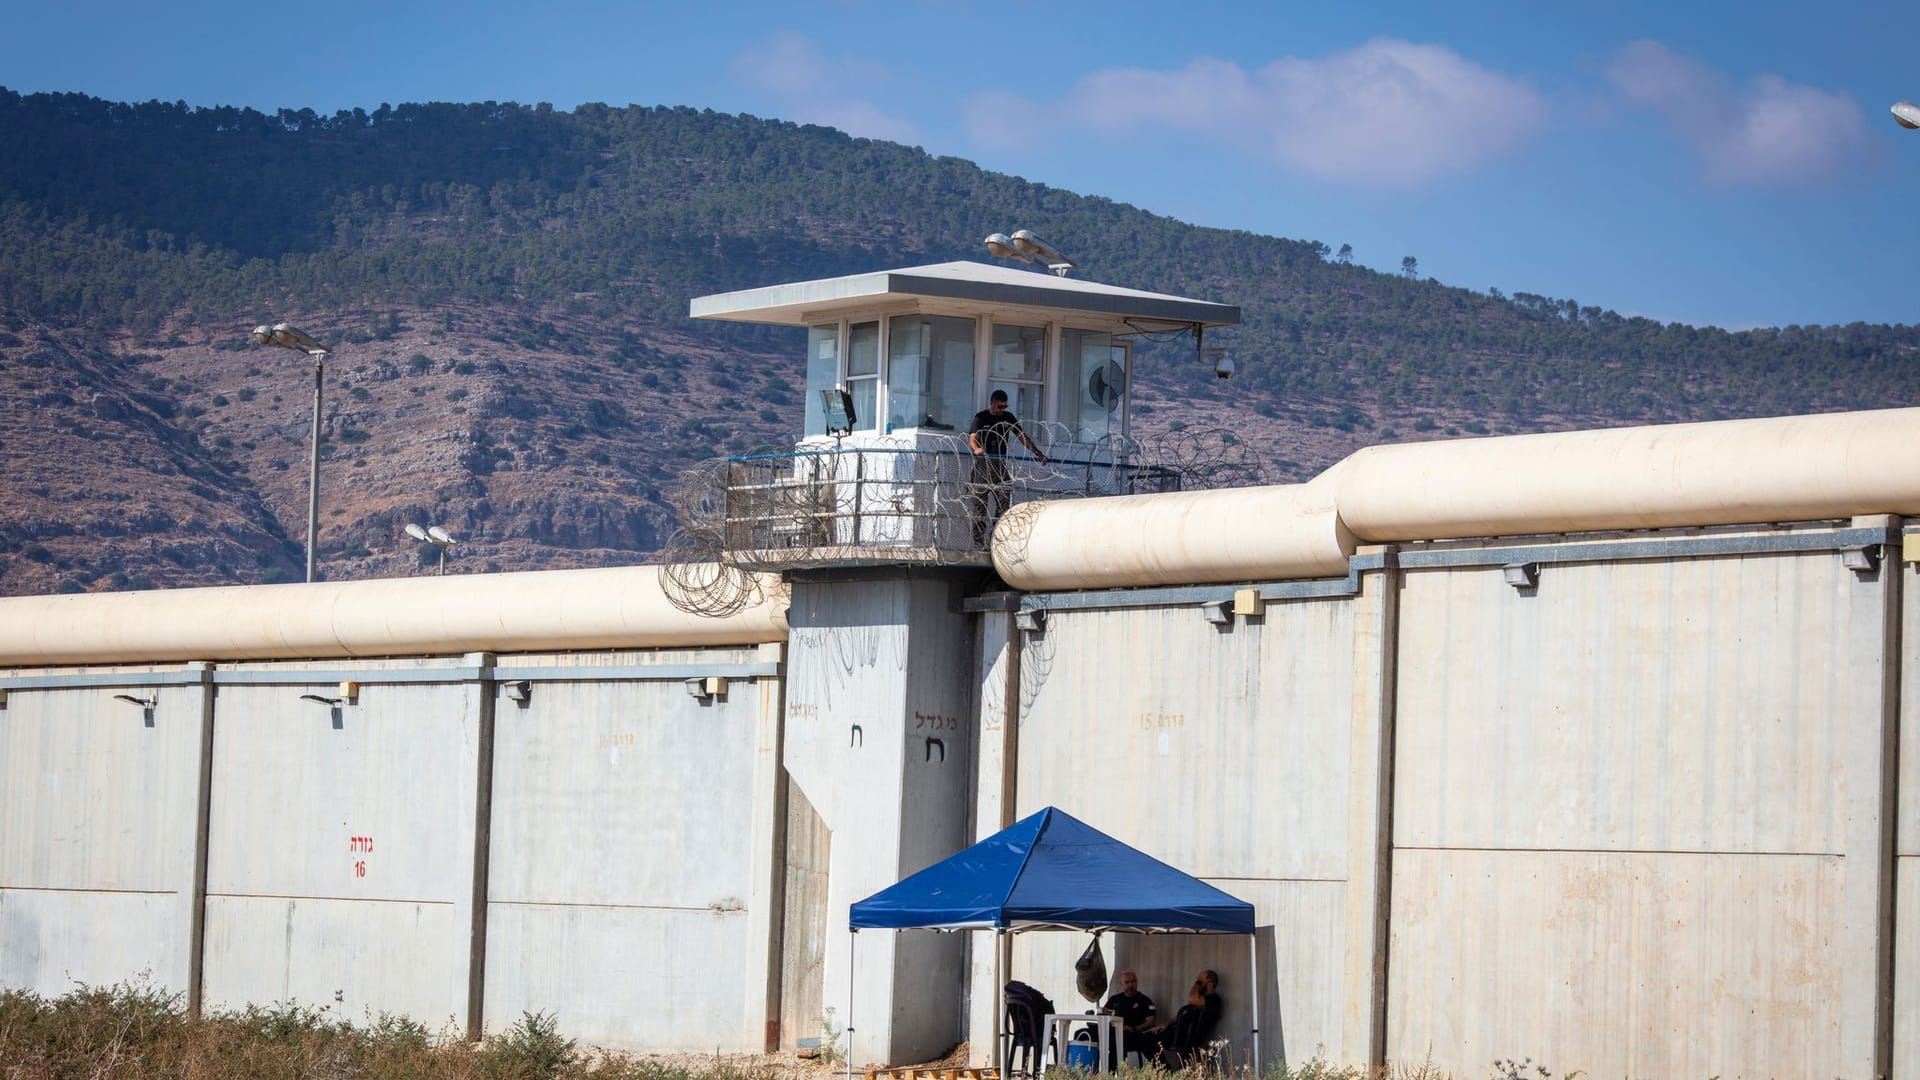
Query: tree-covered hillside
124, 215
508, 286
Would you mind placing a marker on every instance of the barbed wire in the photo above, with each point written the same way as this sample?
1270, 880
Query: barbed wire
924, 498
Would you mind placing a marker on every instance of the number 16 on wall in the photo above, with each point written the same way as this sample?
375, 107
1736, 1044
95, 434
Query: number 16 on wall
359, 846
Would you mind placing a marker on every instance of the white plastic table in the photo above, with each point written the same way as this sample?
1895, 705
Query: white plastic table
1107, 1030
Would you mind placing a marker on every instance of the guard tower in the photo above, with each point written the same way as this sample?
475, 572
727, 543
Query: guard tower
875, 517
898, 362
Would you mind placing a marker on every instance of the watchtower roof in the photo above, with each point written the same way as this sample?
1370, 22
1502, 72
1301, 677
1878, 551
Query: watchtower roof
801, 302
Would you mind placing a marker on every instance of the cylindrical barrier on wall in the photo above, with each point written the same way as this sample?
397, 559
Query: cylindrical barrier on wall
1731, 472
618, 607
1187, 537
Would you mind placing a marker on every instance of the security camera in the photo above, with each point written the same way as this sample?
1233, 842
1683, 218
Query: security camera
1223, 367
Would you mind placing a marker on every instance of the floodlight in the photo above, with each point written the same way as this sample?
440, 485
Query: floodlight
1522, 576
435, 535
1906, 114
837, 403
1029, 244
143, 702
1863, 561
1026, 247
288, 336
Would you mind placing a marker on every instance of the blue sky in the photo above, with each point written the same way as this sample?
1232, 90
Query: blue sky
1716, 163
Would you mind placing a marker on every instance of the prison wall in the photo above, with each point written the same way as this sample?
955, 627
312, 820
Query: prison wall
1637, 814
1624, 804
1905, 1037
1228, 749
97, 842
340, 840
463, 839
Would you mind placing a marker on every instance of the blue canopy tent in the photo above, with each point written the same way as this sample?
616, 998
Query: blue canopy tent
1051, 871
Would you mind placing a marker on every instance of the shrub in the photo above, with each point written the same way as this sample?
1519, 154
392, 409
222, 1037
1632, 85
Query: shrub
532, 1049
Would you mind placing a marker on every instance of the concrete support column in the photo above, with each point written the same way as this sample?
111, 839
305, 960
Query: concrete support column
1363, 1022
766, 900
190, 922
879, 738
470, 912
1871, 767
995, 800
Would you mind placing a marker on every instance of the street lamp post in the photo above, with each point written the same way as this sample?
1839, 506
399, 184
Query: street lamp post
285, 336
1906, 114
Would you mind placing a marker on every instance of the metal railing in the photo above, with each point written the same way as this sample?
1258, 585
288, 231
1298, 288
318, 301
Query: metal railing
854, 503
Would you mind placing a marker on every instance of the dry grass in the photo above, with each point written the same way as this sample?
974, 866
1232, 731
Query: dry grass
132, 1030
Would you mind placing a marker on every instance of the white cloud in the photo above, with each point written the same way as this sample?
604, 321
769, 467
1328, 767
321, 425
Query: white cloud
1389, 113
808, 86
1769, 131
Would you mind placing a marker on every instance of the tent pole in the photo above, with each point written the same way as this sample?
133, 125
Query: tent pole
852, 939
1000, 1055
1253, 965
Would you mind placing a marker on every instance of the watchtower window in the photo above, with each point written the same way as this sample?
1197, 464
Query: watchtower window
930, 372
1092, 383
1019, 366
863, 374
823, 372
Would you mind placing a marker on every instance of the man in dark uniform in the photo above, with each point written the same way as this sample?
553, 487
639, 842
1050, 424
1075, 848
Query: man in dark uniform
989, 493
1136, 1014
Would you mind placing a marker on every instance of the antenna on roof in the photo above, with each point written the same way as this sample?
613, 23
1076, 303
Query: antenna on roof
1023, 246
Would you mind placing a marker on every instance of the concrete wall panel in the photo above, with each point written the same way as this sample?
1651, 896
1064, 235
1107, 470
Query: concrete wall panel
1674, 706
1906, 985
622, 863
1617, 964
53, 940
624, 977
1638, 817
109, 791
1224, 753
357, 957
340, 857
603, 790
97, 839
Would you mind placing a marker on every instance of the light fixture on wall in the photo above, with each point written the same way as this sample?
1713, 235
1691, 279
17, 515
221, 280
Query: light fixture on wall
1032, 620
333, 703
708, 687
1217, 612
1863, 561
1522, 575
519, 691
146, 705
